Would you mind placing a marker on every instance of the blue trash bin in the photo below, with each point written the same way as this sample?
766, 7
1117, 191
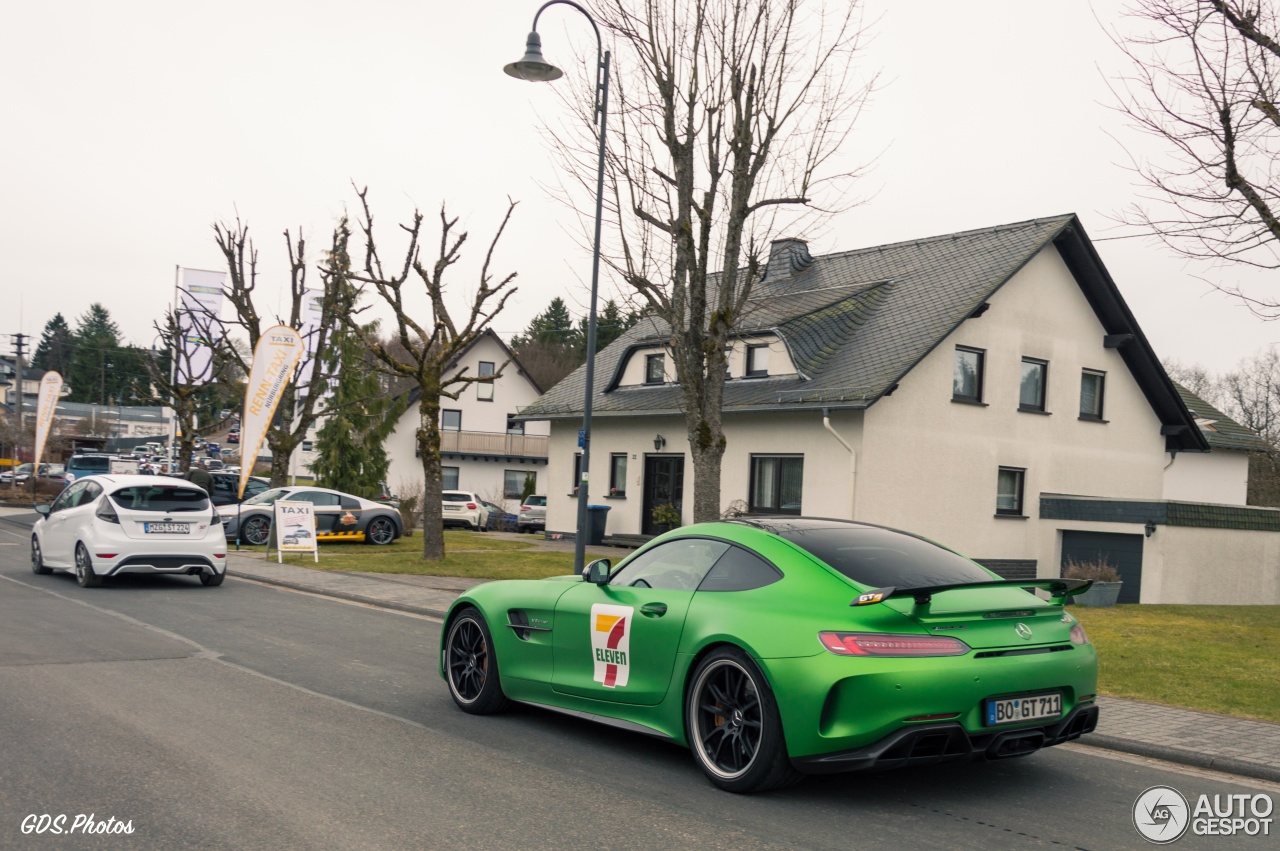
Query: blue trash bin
597, 516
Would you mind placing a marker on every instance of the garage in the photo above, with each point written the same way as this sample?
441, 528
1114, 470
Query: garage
1123, 552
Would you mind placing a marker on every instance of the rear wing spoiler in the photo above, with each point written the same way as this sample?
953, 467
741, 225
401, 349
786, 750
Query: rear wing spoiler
1059, 589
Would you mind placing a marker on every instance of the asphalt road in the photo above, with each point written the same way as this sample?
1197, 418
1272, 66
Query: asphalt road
253, 717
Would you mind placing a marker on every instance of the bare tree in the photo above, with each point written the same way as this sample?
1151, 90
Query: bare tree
1204, 84
421, 351
298, 409
729, 117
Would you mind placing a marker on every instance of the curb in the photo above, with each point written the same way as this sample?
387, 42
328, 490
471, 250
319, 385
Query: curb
343, 595
1229, 765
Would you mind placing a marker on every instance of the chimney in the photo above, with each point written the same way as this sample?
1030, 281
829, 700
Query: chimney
786, 258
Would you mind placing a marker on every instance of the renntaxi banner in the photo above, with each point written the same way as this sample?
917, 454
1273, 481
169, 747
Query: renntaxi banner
46, 404
274, 359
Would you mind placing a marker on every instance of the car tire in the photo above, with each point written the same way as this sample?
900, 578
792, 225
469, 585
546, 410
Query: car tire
471, 667
37, 558
733, 725
255, 531
380, 531
212, 580
84, 569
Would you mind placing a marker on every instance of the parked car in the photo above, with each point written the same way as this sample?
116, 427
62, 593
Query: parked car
500, 520
464, 508
107, 525
339, 516
533, 514
87, 465
775, 647
213, 464
226, 484
233, 436
21, 474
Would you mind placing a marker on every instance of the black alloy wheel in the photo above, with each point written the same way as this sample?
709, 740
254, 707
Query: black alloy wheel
380, 531
37, 558
84, 569
470, 666
734, 728
255, 531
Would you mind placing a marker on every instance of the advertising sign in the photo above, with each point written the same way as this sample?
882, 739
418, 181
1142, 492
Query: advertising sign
46, 404
199, 306
295, 524
274, 358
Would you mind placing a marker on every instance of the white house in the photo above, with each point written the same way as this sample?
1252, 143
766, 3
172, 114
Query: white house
1220, 475
988, 389
483, 447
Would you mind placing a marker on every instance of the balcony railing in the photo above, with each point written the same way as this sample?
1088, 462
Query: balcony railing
494, 443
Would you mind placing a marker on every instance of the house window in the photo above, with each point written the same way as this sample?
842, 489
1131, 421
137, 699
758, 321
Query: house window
514, 426
654, 369
776, 483
1031, 393
307, 446
512, 483
1009, 491
757, 361
449, 478
966, 381
577, 472
451, 420
484, 391
618, 474
728, 362
1091, 386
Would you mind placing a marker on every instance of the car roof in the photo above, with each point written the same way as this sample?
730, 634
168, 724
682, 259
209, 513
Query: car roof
129, 480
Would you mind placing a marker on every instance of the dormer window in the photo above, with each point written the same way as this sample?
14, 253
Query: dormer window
757, 361
654, 369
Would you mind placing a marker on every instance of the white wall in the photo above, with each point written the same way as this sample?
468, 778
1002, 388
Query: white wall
1220, 476
1181, 564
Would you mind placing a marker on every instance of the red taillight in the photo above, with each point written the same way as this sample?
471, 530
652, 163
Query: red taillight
219, 555
471, 505
524, 508
1077, 634
106, 555
882, 644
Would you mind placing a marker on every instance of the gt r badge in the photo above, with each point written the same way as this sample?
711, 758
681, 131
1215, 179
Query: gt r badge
1024, 631
611, 643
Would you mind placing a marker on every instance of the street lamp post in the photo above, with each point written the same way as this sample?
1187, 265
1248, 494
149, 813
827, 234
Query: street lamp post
533, 68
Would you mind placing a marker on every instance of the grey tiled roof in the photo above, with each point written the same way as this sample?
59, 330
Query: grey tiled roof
856, 322
1221, 431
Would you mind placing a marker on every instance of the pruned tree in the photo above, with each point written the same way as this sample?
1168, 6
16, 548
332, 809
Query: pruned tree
426, 350
300, 407
728, 119
1204, 84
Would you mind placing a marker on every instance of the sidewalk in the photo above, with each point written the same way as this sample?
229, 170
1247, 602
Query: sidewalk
1202, 739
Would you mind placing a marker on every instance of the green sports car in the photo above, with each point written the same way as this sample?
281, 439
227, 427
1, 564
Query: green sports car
779, 647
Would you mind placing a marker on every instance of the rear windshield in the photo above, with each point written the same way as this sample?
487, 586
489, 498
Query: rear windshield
883, 557
536, 500
97, 465
456, 497
161, 498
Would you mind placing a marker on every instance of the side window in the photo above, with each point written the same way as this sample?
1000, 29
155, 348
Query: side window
484, 391
739, 570
349, 503
674, 566
316, 498
654, 369
966, 379
69, 498
92, 490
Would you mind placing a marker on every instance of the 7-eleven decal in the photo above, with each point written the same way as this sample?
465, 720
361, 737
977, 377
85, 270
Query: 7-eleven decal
611, 643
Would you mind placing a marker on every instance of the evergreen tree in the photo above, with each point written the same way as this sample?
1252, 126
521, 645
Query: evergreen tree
97, 340
57, 344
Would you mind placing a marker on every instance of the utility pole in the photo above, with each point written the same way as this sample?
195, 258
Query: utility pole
19, 344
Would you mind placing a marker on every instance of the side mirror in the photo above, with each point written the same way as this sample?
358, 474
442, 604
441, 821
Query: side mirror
597, 573
42, 510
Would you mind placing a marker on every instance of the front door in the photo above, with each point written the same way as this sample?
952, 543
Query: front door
663, 485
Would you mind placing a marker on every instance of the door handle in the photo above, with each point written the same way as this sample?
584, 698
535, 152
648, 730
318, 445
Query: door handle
653, 610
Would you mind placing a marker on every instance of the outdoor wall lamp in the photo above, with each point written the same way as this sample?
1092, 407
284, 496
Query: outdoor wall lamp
533, 68
658, 442
1150, 528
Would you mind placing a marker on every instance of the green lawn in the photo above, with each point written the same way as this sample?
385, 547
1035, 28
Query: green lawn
1215, 658
469, 554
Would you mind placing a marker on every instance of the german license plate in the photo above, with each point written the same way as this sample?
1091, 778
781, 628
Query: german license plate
1032, 707
170, 528
453, 508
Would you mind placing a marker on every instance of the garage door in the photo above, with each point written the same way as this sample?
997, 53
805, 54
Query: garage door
1123, 552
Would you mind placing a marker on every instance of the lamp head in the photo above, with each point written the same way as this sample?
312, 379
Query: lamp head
532, 66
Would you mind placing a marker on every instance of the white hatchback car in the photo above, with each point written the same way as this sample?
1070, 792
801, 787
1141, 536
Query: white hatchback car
464, 508
107, 525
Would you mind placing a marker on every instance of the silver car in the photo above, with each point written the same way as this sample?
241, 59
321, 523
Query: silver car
533, 514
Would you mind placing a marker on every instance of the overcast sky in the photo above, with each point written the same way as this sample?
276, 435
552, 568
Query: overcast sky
132, 126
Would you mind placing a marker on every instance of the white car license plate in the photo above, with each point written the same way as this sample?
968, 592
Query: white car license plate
1033, 707
453, 508
170, 528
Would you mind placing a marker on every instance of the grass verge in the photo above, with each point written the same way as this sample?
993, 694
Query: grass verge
1214, 658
